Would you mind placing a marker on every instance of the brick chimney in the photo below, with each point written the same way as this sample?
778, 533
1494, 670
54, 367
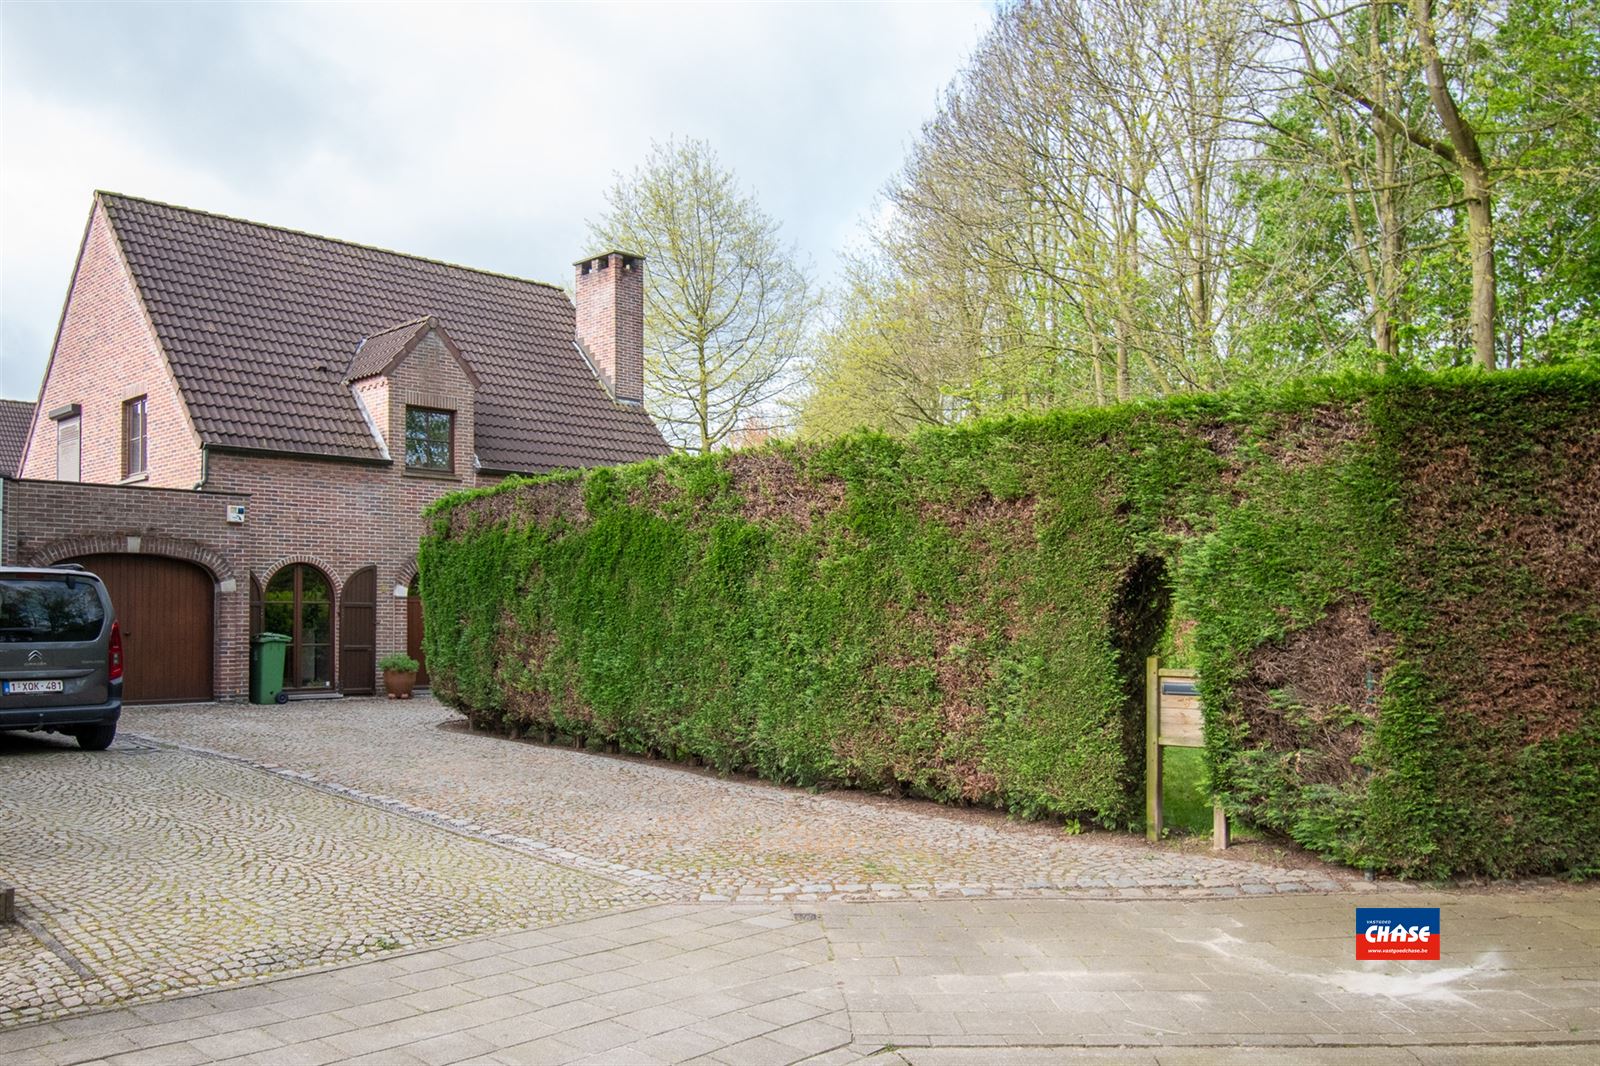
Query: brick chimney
609, 292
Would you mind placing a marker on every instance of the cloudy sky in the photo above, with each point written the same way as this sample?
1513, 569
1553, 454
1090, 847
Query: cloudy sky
482, 135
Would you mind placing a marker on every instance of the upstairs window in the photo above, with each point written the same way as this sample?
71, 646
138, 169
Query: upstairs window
135, 437
430, 439
69, 440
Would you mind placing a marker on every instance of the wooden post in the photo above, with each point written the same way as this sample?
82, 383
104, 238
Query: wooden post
1219, 828
1172, 718
1152, 750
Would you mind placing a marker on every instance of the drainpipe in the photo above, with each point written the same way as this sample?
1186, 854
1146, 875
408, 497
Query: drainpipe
205, 467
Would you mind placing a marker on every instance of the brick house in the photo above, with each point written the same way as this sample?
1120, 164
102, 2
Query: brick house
240, 426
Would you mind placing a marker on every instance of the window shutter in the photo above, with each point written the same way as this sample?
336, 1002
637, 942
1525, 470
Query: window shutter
69, 450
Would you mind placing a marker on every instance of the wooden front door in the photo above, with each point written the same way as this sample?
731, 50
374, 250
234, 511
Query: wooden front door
414, 631
167, 611
358, 632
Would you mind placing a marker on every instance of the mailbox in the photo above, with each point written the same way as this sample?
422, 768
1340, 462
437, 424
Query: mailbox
1179, 720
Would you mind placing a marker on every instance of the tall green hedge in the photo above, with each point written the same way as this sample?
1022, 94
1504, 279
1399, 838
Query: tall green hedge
1391, 588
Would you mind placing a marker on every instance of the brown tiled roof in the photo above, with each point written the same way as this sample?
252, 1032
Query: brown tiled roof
381, 349
16, 418
262, 325
380, 352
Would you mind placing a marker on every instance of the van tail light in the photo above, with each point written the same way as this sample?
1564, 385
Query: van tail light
115, 664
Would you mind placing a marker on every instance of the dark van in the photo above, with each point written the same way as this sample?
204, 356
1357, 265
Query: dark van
60, 654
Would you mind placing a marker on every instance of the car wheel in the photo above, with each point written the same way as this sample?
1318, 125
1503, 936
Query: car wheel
97, 737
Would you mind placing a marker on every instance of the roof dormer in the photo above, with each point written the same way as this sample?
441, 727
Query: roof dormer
379, 354
412, 378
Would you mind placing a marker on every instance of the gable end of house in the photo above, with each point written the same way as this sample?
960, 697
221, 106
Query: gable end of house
108, 363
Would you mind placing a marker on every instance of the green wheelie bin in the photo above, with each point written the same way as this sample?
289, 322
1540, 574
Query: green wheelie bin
267, 651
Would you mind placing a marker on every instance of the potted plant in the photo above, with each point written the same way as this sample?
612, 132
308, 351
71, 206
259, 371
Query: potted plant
399, 675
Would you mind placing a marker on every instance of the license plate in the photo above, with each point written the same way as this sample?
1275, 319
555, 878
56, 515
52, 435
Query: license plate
14, 688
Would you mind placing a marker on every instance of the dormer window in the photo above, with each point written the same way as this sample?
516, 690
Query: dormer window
430, 439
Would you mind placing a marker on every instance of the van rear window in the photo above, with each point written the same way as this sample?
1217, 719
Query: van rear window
49, 609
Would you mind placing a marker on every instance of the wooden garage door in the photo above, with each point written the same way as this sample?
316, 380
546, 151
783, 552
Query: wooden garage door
166, 610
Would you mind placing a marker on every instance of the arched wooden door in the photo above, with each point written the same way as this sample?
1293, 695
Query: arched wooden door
167, 609
358, 633
414, 629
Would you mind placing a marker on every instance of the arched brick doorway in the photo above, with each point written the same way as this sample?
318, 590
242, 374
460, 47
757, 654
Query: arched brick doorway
298, 602
168, 614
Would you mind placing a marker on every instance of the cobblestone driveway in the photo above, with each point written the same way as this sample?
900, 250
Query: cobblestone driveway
710, 838
145, 870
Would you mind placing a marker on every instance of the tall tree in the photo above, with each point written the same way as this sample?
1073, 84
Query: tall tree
883, 362
1126, 198
1074, 189
1543, 92
728, 305
1404, 87
1345, 209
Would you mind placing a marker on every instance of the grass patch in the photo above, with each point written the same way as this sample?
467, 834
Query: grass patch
1185, 799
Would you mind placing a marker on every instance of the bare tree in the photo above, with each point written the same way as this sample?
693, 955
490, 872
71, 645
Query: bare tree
1078, 177
1123, 198
1464, 151
887, 362
1366, 154
728, 306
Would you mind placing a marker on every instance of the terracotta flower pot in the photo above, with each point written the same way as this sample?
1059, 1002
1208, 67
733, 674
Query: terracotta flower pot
398, 683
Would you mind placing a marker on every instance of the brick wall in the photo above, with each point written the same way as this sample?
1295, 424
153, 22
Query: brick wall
340, 517
107, 353
608, 293
373, 395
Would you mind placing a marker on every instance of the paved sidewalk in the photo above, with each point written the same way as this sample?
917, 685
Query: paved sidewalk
667, 984
1453, 1055
1517, 967
954, 983
247, 841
